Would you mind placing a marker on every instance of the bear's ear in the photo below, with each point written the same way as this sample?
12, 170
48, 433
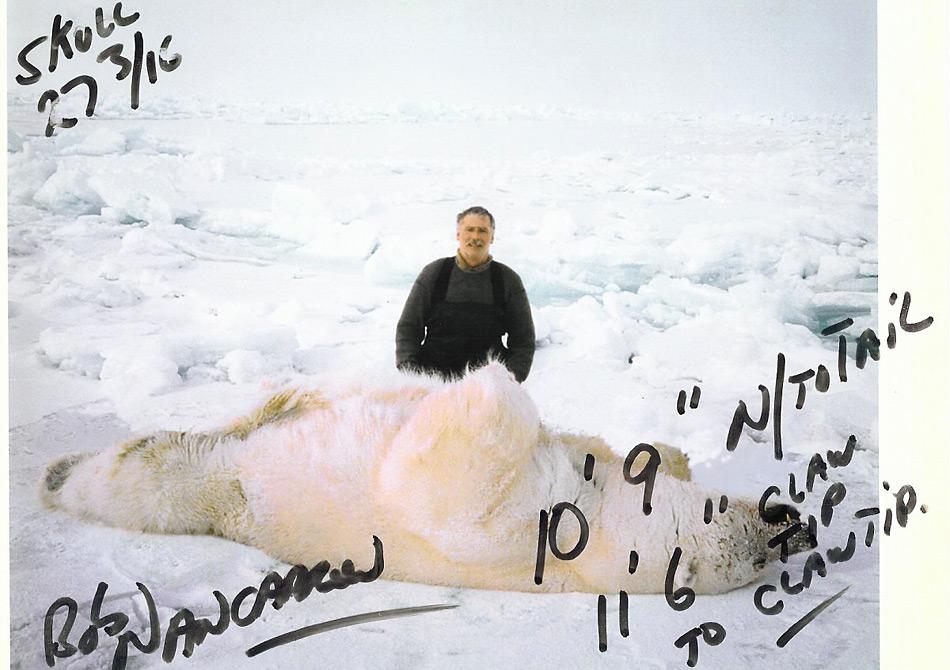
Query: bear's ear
460, 449
686, 575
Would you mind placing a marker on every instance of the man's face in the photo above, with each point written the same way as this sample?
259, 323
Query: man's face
475, 235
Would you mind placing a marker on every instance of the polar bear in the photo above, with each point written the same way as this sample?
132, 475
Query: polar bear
452, 477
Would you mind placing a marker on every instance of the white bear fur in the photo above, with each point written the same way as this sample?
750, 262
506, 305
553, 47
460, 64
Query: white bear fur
451, 476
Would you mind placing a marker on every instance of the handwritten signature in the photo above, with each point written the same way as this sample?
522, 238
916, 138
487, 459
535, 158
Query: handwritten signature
298, 583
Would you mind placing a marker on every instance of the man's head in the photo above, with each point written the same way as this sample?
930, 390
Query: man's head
475, 231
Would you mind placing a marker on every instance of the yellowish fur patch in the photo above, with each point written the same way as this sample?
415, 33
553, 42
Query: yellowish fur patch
279, 407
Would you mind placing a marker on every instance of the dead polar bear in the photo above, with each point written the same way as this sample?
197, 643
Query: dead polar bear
451, 476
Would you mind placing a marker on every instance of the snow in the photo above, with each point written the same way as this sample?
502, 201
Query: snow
258, 221
166, 274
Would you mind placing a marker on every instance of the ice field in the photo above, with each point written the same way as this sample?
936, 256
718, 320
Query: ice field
169, 269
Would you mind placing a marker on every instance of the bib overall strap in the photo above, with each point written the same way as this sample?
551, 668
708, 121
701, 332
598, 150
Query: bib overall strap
497, 286
442, 281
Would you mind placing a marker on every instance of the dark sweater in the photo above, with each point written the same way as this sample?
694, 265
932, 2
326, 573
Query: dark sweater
472, 285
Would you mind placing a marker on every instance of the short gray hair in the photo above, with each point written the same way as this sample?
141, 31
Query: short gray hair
477, 210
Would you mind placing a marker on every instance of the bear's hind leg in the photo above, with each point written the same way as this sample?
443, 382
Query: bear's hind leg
461, 449
163, 483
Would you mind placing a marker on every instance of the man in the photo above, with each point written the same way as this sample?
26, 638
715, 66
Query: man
459, 307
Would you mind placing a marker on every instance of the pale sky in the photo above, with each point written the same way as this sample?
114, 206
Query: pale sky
641, 57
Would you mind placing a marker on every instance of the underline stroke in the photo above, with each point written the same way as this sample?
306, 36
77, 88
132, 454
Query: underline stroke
343, 622
796, 627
